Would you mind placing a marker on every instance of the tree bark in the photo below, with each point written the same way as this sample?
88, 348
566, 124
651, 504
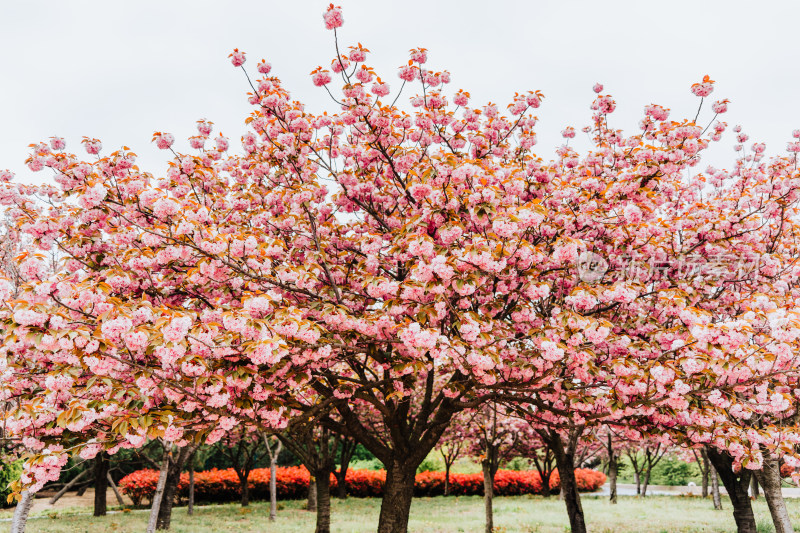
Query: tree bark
546, 483
168, 499
715, 489
704, 468
646, 482
21, 513
347, 448
613, 468
397, 494
244, 487
100, 484
770, 479
68, 486
114, 488
447, 479
488, 494
190, 505
159, 494
754, 487
273, 472
312, 495
637, 481
273, 488
174, 466
736, 484
565, 461
323, 502
341, 484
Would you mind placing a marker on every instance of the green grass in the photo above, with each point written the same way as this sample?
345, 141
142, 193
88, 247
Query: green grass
524, 514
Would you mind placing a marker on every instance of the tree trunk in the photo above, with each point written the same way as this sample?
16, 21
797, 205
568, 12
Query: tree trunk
613, 468
168, 500
68, 486
397, 494
488, 494
159, 494
100, 484
114, 488
770, 479
646, 482
341, 484
190, 505
83, 489
312, 495
754, 487
715, 489
447, 479
565, 460
21, 512
244, 487
273, 492
637, 481
546, 483
323, 502
704, 469
736, 484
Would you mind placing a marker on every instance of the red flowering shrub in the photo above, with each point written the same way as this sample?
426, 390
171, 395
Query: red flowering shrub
292, 483
588, 480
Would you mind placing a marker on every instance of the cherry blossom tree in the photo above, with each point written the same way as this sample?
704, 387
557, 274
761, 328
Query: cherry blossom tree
399, 267
453, 444
491, 437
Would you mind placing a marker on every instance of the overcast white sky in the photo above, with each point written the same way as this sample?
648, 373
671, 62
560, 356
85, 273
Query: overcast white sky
120, 70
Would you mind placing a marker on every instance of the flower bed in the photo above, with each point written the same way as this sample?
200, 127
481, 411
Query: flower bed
292, 483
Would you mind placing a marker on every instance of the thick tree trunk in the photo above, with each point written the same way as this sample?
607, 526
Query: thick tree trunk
488, 494
447, 479
770, 479
397, 494
323, 502
704, 468
190, 505
613, 468
736, 484
637, 481
152, 524
273, 489
21, 513
100, 484
565, 460
312, 495
715, 489
168, 500
754, 487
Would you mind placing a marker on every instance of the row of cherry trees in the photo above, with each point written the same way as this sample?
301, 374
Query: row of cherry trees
378, 270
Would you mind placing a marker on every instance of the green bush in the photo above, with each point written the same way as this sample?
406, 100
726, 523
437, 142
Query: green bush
431, 464
9, 472
366, 464
673, 471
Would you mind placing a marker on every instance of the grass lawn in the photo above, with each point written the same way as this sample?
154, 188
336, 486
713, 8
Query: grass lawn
522, 514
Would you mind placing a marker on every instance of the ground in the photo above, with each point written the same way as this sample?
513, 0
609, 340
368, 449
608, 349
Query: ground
524, 514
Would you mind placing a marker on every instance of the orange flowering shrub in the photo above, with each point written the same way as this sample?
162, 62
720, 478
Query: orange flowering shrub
292, 483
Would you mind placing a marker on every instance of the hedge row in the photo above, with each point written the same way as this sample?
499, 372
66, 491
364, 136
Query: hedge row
292, 483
